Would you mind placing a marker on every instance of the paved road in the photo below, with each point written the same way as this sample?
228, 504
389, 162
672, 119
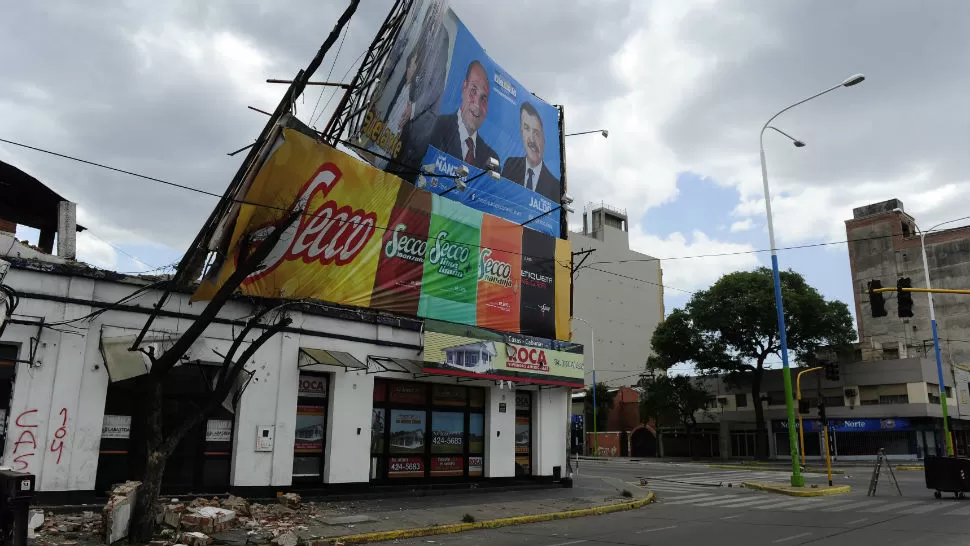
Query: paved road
692, 509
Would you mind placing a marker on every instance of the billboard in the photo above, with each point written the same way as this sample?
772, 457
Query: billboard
443, 102
368, 239
450, 349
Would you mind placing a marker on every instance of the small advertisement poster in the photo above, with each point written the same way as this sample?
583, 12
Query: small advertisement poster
313, 386
523, 434
218, 430
116, 427
447, 466
476, 466
309, 429
405, 467
407, 431
447, 432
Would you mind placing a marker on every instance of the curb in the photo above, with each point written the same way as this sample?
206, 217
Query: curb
837, 490
451, 528
909, 467
763, 468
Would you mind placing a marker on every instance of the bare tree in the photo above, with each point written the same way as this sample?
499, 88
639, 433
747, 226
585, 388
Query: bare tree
162, 438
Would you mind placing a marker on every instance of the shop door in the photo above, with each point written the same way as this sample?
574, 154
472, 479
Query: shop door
311, 428
523, 433
8, 372
201, 461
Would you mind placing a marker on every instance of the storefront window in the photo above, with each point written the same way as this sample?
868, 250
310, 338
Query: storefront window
311, 427
523, 433
421, 430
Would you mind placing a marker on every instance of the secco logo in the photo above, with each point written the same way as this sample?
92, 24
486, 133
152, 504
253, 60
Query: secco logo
449, 257
330, 234
527, 358
494, 271
404, 246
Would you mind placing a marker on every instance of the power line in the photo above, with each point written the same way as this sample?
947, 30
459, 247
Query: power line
121, 250
334, 93
327, 79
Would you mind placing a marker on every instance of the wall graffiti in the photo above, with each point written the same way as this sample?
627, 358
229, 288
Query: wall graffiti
26, 438
26, 427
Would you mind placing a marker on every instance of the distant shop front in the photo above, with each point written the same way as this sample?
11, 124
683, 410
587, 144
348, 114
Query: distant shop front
900, 437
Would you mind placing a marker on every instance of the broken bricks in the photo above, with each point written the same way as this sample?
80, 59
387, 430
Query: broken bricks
195, 538
290, 500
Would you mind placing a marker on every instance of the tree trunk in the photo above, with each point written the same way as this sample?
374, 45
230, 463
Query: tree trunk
760, 437
144, 513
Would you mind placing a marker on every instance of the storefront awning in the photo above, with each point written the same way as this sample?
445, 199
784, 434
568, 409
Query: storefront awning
379, 364
310, 357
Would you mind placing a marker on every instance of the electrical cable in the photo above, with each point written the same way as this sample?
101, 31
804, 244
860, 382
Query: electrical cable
332, 65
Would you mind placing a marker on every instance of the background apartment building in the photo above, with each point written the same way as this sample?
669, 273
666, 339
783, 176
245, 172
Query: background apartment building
619, 292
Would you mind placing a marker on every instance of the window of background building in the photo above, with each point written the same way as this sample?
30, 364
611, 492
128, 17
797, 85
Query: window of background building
741, 400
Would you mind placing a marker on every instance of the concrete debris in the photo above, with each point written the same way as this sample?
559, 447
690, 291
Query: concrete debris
290, 500
116, 516
195, 538
34, 521
289, 538
238, 505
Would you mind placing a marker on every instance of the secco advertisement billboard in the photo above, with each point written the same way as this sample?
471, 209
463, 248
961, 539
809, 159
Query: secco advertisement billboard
443, 102
367, 238
452, 349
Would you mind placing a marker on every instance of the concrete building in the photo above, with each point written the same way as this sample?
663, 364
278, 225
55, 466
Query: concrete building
889, 404
339, 399
885, 246
619, 292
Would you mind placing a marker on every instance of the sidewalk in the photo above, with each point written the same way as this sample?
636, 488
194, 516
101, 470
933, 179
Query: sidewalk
292, 523
389, 519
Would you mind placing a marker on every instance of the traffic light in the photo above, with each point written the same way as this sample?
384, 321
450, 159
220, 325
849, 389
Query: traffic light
904, 299
832, 371
821, 411
876, 300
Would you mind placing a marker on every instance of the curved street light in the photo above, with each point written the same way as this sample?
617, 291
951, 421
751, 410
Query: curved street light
604, 132
797, 480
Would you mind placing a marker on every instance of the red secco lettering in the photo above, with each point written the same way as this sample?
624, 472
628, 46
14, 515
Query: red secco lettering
330, 234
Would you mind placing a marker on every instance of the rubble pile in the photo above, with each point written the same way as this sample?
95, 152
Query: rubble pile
65, 529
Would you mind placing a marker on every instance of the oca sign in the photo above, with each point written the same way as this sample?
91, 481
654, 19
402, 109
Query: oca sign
311, 386
526, 358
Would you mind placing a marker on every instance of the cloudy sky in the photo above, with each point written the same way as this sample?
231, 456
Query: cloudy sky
161, 88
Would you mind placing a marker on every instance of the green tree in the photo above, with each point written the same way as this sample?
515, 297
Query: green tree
674, 400
731, 329
604, 405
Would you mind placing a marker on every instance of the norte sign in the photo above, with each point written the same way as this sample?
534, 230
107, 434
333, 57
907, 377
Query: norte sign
451, 349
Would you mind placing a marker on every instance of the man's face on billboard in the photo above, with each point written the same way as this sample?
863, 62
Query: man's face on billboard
533, 138
474, 99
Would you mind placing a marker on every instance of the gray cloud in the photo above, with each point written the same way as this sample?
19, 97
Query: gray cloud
161, 88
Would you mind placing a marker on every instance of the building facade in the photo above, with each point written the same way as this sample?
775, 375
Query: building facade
339, 398
619, 292
885, 246
888, 404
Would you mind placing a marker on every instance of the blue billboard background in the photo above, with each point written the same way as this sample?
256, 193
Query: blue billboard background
413, 123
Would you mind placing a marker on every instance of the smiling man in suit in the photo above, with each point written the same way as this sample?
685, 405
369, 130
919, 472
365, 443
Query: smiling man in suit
457, 134
530, 171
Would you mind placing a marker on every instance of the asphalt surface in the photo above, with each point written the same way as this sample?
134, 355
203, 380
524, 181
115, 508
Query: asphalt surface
695, 506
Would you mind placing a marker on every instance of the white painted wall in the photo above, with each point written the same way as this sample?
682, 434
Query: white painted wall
68, 384
550, 430
499, 433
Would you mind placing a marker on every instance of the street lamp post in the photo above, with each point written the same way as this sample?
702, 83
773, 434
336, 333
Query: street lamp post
797, 480
936, 337
592, 357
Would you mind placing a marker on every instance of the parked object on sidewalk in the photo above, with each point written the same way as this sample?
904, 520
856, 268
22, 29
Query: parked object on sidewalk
947, 475
16, 490
881, 460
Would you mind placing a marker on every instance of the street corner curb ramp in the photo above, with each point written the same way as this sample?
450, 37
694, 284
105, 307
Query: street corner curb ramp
451, 528
782, 489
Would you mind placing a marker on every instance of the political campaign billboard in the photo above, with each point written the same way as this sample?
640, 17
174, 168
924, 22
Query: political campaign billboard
367, 238
463, 351
442, 102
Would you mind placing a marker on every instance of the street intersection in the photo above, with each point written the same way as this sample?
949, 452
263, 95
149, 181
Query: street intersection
699, 505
